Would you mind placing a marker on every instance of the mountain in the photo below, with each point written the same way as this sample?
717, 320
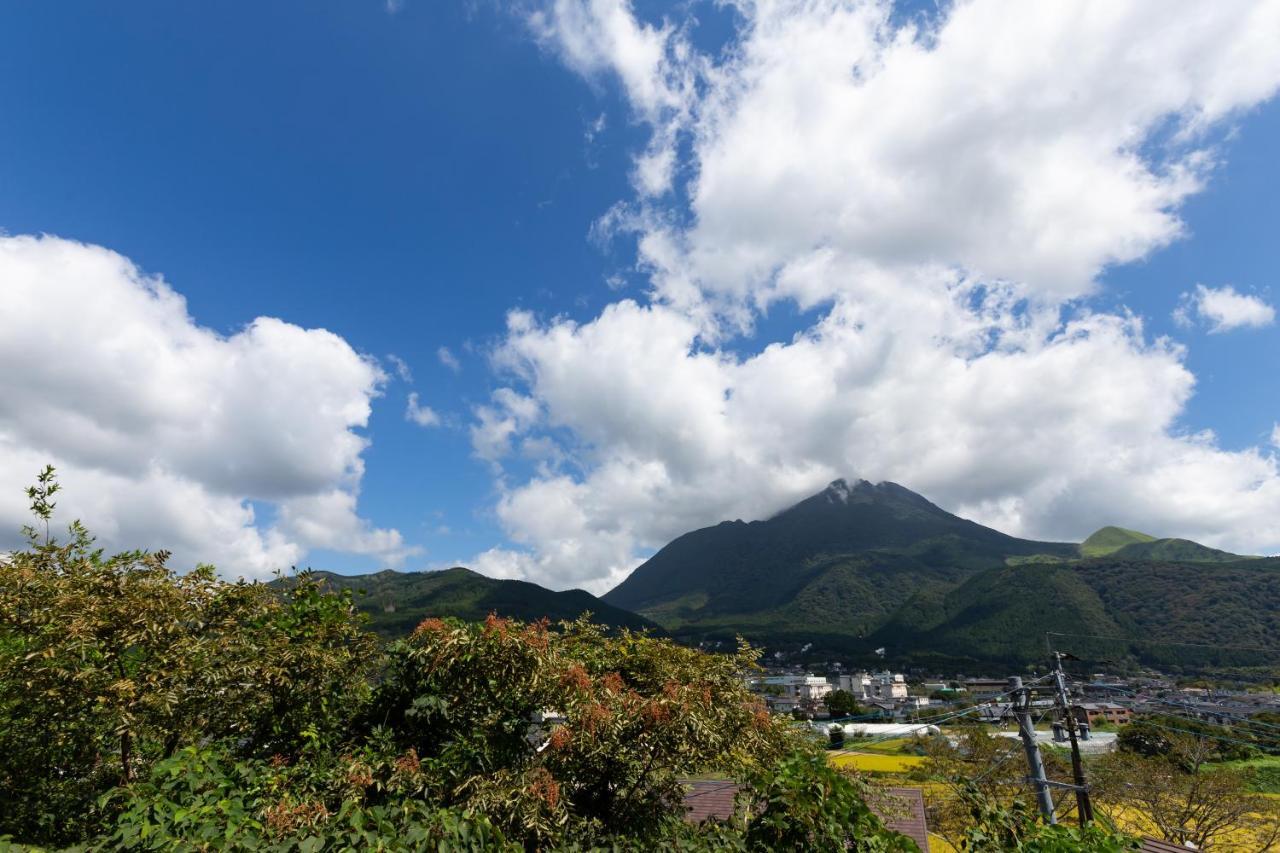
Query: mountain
397, 601
1111, 539
859, 566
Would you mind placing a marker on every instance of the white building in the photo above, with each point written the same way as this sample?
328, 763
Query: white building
797, 687
879, 685
786, 693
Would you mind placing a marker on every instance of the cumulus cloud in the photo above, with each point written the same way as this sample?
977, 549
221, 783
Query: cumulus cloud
167, 434
1223, 309
945, 196
654, 63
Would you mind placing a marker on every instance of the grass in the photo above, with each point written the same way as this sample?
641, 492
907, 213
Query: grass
1266, 771
1110, 539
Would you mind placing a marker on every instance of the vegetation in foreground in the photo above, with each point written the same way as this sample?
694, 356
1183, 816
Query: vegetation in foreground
141, 709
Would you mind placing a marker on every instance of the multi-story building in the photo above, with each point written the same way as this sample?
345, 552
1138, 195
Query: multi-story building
879, 685
785, 692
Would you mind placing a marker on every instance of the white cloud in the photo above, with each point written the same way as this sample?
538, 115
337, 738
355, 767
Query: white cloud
448, 359
401, 368
654, 63
163, 431
423, 416
945, 198
1223, 309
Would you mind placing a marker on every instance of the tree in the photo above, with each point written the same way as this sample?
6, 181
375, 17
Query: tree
978, 769
1180, 797
632, 713
802, 803
842, 703
1019, 828
108, 664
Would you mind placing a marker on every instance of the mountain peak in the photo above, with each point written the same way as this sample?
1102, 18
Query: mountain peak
1110, 539
839, 491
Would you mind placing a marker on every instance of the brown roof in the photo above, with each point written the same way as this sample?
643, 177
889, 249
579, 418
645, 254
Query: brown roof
711, 798
910, 817
1151, 845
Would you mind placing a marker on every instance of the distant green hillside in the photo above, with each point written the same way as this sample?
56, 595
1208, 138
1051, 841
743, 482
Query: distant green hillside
1132, 545
1003, 614
860, 567
397, 601
1110, 539
1175, 550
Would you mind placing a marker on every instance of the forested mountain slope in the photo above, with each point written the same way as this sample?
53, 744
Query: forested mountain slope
397, 601
862, 566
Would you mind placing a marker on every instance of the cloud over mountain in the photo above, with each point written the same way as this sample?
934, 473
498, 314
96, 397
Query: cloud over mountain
943, 195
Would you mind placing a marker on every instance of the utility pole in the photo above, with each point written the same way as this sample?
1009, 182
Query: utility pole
1021, 698
1084, 809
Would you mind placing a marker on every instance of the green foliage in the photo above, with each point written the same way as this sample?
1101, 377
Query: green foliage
1018, 828
108, 664
1177, 739
205, 799
842, 703
802, 803
633, 714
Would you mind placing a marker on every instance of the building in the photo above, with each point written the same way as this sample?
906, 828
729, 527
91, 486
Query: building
785, 693
981, 689
879, 685
1093, 713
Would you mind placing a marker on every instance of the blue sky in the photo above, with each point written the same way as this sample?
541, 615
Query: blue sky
403, 180
406, 178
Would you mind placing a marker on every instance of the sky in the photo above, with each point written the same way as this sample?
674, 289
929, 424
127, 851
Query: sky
535, 287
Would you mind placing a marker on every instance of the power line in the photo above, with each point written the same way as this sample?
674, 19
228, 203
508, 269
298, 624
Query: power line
928, 721
1244, 721
1194, 733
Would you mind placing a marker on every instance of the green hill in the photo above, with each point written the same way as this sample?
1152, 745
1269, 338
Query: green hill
1111, 539
1175, 550
1172, 614
397, 601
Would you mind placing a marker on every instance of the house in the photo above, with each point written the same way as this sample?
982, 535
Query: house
981, 689
1093, 713
995, 713
901, 809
